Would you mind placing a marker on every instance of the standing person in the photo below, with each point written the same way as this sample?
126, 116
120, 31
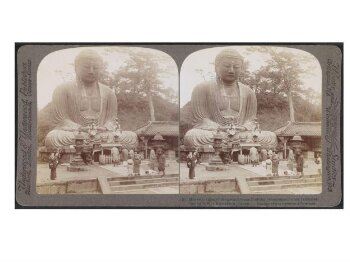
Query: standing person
191, 164
115, 156
53, 163
130, 166
268, 164
319, 163
161, 163
263, 154
131, 153
125, 154
291, 160
300, 165
188, 158
253, 153
137, 163
270, 153
152, 159
275, 163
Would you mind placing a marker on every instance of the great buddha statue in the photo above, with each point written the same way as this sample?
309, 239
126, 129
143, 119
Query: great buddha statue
226, 105
84, 103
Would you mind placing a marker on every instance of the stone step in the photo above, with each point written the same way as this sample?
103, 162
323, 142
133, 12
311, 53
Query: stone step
143, 181
284, 186
284, 181
130, 178
278, 191
143, 186
137, 191
279, 177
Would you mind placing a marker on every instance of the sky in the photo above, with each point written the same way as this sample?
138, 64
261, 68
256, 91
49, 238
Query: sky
58, 67
199, 66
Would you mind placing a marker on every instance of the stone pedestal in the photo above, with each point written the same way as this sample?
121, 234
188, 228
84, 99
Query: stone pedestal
216, 164
77, 164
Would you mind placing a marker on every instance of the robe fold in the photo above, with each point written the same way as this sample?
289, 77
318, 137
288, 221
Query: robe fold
209, 111
206, 102
72, 109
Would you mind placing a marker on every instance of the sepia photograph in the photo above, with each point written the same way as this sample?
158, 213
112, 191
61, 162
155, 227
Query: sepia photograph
179, 125
140, 127
107, 122
250, 121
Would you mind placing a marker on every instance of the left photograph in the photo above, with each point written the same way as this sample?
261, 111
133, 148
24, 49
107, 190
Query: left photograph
107, 121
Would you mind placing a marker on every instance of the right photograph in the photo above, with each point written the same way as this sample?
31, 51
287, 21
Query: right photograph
250, 121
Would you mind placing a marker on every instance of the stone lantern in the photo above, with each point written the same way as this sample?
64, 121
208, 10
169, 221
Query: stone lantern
158, 143
216, 163
77, 163
296, 144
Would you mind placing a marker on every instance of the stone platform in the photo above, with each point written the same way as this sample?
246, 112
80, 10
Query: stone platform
237, 178
86, 182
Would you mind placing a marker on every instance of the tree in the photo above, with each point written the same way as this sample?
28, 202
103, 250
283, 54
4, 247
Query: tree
141, 75
282, 74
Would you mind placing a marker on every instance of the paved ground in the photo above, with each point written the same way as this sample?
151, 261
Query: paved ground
236, 170
202, 174
96, 170
93, 171
159, 190
172, 167
309, 169
244, 171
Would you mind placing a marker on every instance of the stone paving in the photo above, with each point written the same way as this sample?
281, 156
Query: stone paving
236, 170
202, 174
96, 170
309, 169
244, 171
172, 167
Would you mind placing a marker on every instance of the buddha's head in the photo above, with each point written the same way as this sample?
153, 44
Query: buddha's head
228, 65
88, 66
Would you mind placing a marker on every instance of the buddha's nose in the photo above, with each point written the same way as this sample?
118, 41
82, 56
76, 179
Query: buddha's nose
231, 69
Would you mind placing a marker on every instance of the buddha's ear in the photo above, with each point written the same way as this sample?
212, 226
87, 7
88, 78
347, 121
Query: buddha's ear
245, 65
216, 70
76, 70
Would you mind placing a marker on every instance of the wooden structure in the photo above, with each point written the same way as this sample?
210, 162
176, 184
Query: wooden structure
310, 132
169, 130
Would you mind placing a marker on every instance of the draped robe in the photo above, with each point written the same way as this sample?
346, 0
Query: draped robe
208, 104
72, 109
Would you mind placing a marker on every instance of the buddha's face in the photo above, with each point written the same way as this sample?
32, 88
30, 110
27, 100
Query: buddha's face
88, 70
229, 69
